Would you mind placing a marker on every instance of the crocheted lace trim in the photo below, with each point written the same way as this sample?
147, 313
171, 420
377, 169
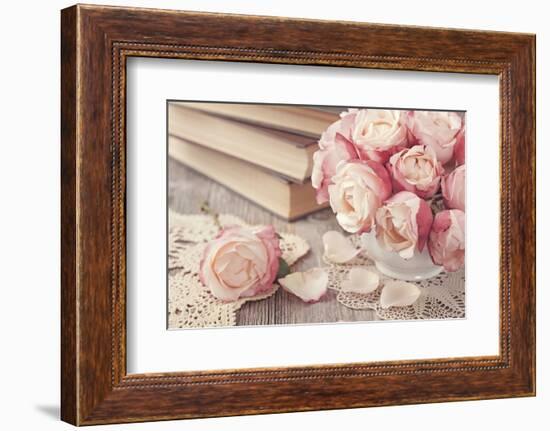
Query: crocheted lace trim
441, 297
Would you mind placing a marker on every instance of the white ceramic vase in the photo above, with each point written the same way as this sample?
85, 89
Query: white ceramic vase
419, 267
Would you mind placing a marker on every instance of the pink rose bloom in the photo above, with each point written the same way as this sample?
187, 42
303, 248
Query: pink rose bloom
334, 147
240, 262
379, 133
453, 188
416, 170
439, 130
447, 243
359, 188
460, 148
403, 224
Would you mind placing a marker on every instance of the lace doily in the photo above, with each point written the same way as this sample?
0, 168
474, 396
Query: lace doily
190, 304
441, 297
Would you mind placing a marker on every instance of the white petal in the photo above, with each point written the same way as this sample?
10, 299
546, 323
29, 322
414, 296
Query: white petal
361, 280
309, 286
398, 294
338, 248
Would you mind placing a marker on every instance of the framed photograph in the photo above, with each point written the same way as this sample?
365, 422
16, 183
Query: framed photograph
347, 207
252, 206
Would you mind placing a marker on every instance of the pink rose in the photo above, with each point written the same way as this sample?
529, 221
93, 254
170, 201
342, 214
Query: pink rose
453, 188
240, 262
447, 242
379, 133
403, 224
460, 148
359, 188
334, 146
439, 130
416, 170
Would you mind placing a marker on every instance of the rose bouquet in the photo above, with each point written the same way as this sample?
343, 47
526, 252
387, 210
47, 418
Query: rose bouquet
398, 179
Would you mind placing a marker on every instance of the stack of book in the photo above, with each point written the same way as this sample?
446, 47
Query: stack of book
263, 152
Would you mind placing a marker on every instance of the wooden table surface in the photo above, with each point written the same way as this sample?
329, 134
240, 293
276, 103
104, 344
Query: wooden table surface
188, 189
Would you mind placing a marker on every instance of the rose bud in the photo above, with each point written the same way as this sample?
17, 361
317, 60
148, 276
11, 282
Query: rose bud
334, 146
439, 130
447, 243
359, 188
416, 170
379, 133
403, 224
453, 188
240, 262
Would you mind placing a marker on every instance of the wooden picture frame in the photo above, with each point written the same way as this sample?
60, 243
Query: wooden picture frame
96, 41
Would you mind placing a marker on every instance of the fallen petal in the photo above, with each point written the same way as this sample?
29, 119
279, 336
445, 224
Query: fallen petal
338, 248
360, 280
398, 294
309, 286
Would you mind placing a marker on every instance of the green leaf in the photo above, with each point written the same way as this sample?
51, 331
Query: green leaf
284, 269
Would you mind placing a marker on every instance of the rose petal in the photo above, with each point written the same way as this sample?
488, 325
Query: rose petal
360, 280
338, 248
309, 286
398, 294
